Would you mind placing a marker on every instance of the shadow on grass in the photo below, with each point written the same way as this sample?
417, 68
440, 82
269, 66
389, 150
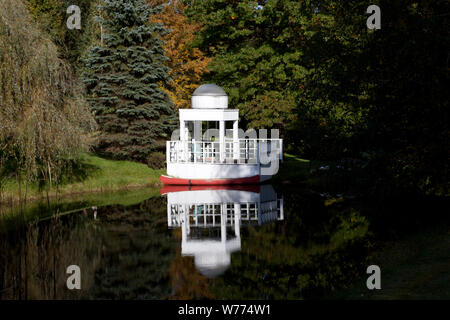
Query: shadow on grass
78, 171
292, 170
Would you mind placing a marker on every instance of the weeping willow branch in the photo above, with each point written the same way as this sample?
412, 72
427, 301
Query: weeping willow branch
44, 119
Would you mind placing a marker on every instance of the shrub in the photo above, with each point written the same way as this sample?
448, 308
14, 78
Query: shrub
156, 160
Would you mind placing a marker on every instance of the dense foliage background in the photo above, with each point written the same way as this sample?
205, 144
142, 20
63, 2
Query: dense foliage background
336, 89
376, 99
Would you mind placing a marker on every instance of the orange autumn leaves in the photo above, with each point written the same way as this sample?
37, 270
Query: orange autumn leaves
187, 64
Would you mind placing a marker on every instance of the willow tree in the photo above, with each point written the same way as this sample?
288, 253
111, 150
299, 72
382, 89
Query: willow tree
123, 77
43, 116
51, 16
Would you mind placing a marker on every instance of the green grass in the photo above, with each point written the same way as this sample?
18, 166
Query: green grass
111, 175
292, 169
295, 169
94, 175
99, 175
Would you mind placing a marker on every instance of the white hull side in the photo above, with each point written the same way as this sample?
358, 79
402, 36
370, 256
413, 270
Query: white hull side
211, 171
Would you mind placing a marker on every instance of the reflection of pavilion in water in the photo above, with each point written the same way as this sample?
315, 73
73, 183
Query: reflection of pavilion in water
210, 219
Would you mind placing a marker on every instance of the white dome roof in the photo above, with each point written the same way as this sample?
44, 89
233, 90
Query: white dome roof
209, 96
209, 89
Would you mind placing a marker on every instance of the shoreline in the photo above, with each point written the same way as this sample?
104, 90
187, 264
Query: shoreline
114, 175
10, 201
101, 175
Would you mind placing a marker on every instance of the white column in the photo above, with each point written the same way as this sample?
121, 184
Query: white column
183, 137
281, 210
182, 130
223, 224
169, 215
198, 130
184, 227
222, 139
259, 211
281, 149
258, 160
197, 138
237, 220
235, 140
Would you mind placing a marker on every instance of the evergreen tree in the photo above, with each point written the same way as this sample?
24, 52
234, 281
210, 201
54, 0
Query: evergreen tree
123, 77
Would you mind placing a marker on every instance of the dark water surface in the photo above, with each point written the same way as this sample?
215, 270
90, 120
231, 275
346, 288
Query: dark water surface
256, 242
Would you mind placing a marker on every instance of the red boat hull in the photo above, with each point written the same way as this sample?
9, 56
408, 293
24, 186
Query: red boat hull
207, 182
255, 188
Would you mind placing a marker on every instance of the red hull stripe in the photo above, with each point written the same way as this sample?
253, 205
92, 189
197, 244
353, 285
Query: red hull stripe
207, 182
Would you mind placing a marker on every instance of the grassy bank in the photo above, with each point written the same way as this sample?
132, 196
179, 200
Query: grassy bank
94, 174
97, 175
295, 170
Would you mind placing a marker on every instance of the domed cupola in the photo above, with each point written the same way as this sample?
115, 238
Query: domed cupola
209, 96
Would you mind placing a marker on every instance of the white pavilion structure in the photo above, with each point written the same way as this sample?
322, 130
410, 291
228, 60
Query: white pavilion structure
210, 218
211, 149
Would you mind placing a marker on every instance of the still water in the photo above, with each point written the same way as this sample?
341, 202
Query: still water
252, 242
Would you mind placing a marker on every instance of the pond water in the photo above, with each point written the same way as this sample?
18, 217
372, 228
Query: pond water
252, 242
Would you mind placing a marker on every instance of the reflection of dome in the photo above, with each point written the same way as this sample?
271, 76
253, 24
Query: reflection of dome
210, 221
209, 96
212, 264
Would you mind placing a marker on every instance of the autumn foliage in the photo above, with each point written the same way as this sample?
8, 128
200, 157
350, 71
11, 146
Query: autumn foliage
187, 64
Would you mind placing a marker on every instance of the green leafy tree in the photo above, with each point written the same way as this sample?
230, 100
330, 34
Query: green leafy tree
337, 89
122, 78
51, 15
274, 59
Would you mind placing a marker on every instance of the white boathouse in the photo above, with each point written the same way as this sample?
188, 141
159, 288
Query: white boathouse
211, 149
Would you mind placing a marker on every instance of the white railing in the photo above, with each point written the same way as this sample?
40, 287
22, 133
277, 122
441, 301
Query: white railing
211, 214
241, 151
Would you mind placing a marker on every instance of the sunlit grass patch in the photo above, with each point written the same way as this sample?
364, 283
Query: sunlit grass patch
91, 174
293, 169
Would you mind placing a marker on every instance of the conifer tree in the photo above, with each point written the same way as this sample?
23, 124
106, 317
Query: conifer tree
122, 77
